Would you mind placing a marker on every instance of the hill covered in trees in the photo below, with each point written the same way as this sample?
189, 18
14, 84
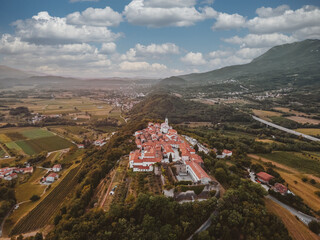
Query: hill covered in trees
178, 110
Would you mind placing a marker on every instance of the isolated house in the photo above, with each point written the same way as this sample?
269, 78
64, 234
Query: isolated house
264, 177
57, 168
51, 177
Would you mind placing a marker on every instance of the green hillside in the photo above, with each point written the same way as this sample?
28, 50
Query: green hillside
161, 105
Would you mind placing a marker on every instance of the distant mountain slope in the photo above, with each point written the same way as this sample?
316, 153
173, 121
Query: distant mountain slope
172, 81
7, 72
296, 63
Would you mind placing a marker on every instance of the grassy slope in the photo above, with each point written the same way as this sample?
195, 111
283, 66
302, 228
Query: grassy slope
297, 229
295, 161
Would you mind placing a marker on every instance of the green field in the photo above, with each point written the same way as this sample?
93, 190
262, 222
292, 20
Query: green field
33, 140
36, 133
295, 160
35, 146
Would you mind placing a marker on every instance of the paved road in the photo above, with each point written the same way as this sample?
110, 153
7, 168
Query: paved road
303, 217
286, 129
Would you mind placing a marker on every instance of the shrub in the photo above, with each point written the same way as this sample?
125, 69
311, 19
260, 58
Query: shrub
314, 226
34, 198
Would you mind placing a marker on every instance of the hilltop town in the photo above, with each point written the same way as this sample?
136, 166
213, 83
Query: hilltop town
162, 144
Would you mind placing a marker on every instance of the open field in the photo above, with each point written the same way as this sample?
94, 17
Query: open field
265, 140
25, 191
265, 114
293, 177
297, 229
39, 216
309, 131
296, 161
304, 120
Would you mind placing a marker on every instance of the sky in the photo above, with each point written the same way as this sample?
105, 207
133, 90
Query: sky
147, 38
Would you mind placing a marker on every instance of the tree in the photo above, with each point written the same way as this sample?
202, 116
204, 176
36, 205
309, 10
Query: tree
220, 175
196, 147
38, 236
170, 158
34, 198
314, 226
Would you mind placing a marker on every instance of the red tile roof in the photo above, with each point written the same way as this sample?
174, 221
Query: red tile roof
264, 176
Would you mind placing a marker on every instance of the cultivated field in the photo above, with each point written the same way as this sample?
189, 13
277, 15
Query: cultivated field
309, 131
304, 120
32, 140
265, 114
40, 216
297, 229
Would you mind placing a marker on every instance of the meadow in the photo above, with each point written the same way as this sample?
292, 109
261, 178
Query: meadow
309, 131
296, 161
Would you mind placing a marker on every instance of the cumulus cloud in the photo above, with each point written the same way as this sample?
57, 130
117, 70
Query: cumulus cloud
141, 66
219, 59
154, 13
263, 40
228, 21
265, 12
45, 29
153, 50
194, 59
288, 21
108, 47
95, 17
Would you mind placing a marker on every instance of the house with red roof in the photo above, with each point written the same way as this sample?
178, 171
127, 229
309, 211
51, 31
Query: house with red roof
10, 176
51, 177
264, 177
57, 168
197, 173
280, 188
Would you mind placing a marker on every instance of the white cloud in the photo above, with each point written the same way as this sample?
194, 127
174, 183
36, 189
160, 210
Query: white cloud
153, 13
194, 59
44, 29
228, 21
288, 21
108, 47
141, 66
153, 50
307, 33
169, 3
265, 12
260, 41
95, 17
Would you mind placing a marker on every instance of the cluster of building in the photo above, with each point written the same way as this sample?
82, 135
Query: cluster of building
10, 173
36, 118
160, 143
52, 176
264, 177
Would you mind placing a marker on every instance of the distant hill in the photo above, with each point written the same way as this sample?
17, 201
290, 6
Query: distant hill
296, 63
178, 110
172, 81
7, 72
